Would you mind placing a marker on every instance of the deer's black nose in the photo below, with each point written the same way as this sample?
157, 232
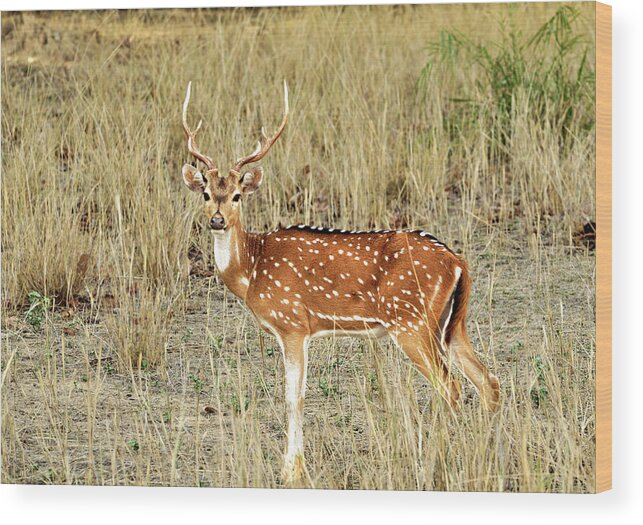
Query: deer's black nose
217, 222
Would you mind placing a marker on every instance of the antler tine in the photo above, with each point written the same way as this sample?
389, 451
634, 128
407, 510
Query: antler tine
191, 135
261, 150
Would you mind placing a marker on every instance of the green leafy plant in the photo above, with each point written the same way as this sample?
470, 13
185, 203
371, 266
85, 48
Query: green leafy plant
517, 347
197, 382
372, 380
50, 476
539, 392
327, 389
238, 403
216, 344
187, 335
38, 307
543, 68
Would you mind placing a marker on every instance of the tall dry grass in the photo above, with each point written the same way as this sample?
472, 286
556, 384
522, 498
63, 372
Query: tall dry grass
131, 348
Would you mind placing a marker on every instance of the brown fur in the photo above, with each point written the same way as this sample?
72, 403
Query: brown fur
301, 282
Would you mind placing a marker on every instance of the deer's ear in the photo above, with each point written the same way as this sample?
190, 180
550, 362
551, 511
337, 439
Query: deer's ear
251, 180
193, 178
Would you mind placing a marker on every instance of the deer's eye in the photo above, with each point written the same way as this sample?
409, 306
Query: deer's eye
206, 196
236, 197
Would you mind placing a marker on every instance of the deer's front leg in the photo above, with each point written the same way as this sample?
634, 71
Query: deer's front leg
295, 353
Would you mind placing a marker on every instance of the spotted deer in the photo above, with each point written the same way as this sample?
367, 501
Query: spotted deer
303, 282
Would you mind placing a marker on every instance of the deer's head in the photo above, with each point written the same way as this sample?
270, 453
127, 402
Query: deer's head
223, 193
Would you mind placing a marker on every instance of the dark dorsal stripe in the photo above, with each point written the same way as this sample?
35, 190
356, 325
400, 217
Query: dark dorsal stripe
334, 231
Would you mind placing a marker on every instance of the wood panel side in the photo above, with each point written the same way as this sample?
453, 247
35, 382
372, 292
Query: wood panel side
603, 247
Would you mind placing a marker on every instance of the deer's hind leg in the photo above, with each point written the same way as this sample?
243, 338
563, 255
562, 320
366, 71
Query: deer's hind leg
422, 348
460, 351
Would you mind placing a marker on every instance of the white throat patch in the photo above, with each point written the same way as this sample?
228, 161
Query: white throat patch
222, 249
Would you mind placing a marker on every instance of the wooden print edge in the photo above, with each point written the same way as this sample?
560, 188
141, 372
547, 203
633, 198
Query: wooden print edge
603, 247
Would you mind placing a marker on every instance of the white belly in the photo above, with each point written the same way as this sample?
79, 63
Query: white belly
376, 332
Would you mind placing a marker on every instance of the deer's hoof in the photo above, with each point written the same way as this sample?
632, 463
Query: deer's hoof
294, 470
492, 398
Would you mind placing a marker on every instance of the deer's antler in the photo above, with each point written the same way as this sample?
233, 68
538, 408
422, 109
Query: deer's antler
191, 135
261, 150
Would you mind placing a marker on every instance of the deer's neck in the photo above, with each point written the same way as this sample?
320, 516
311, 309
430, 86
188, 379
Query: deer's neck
235, 254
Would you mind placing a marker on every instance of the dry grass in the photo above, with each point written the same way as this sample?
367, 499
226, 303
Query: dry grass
111, 385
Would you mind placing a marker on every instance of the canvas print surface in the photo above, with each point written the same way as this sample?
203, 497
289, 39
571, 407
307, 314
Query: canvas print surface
322, 247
